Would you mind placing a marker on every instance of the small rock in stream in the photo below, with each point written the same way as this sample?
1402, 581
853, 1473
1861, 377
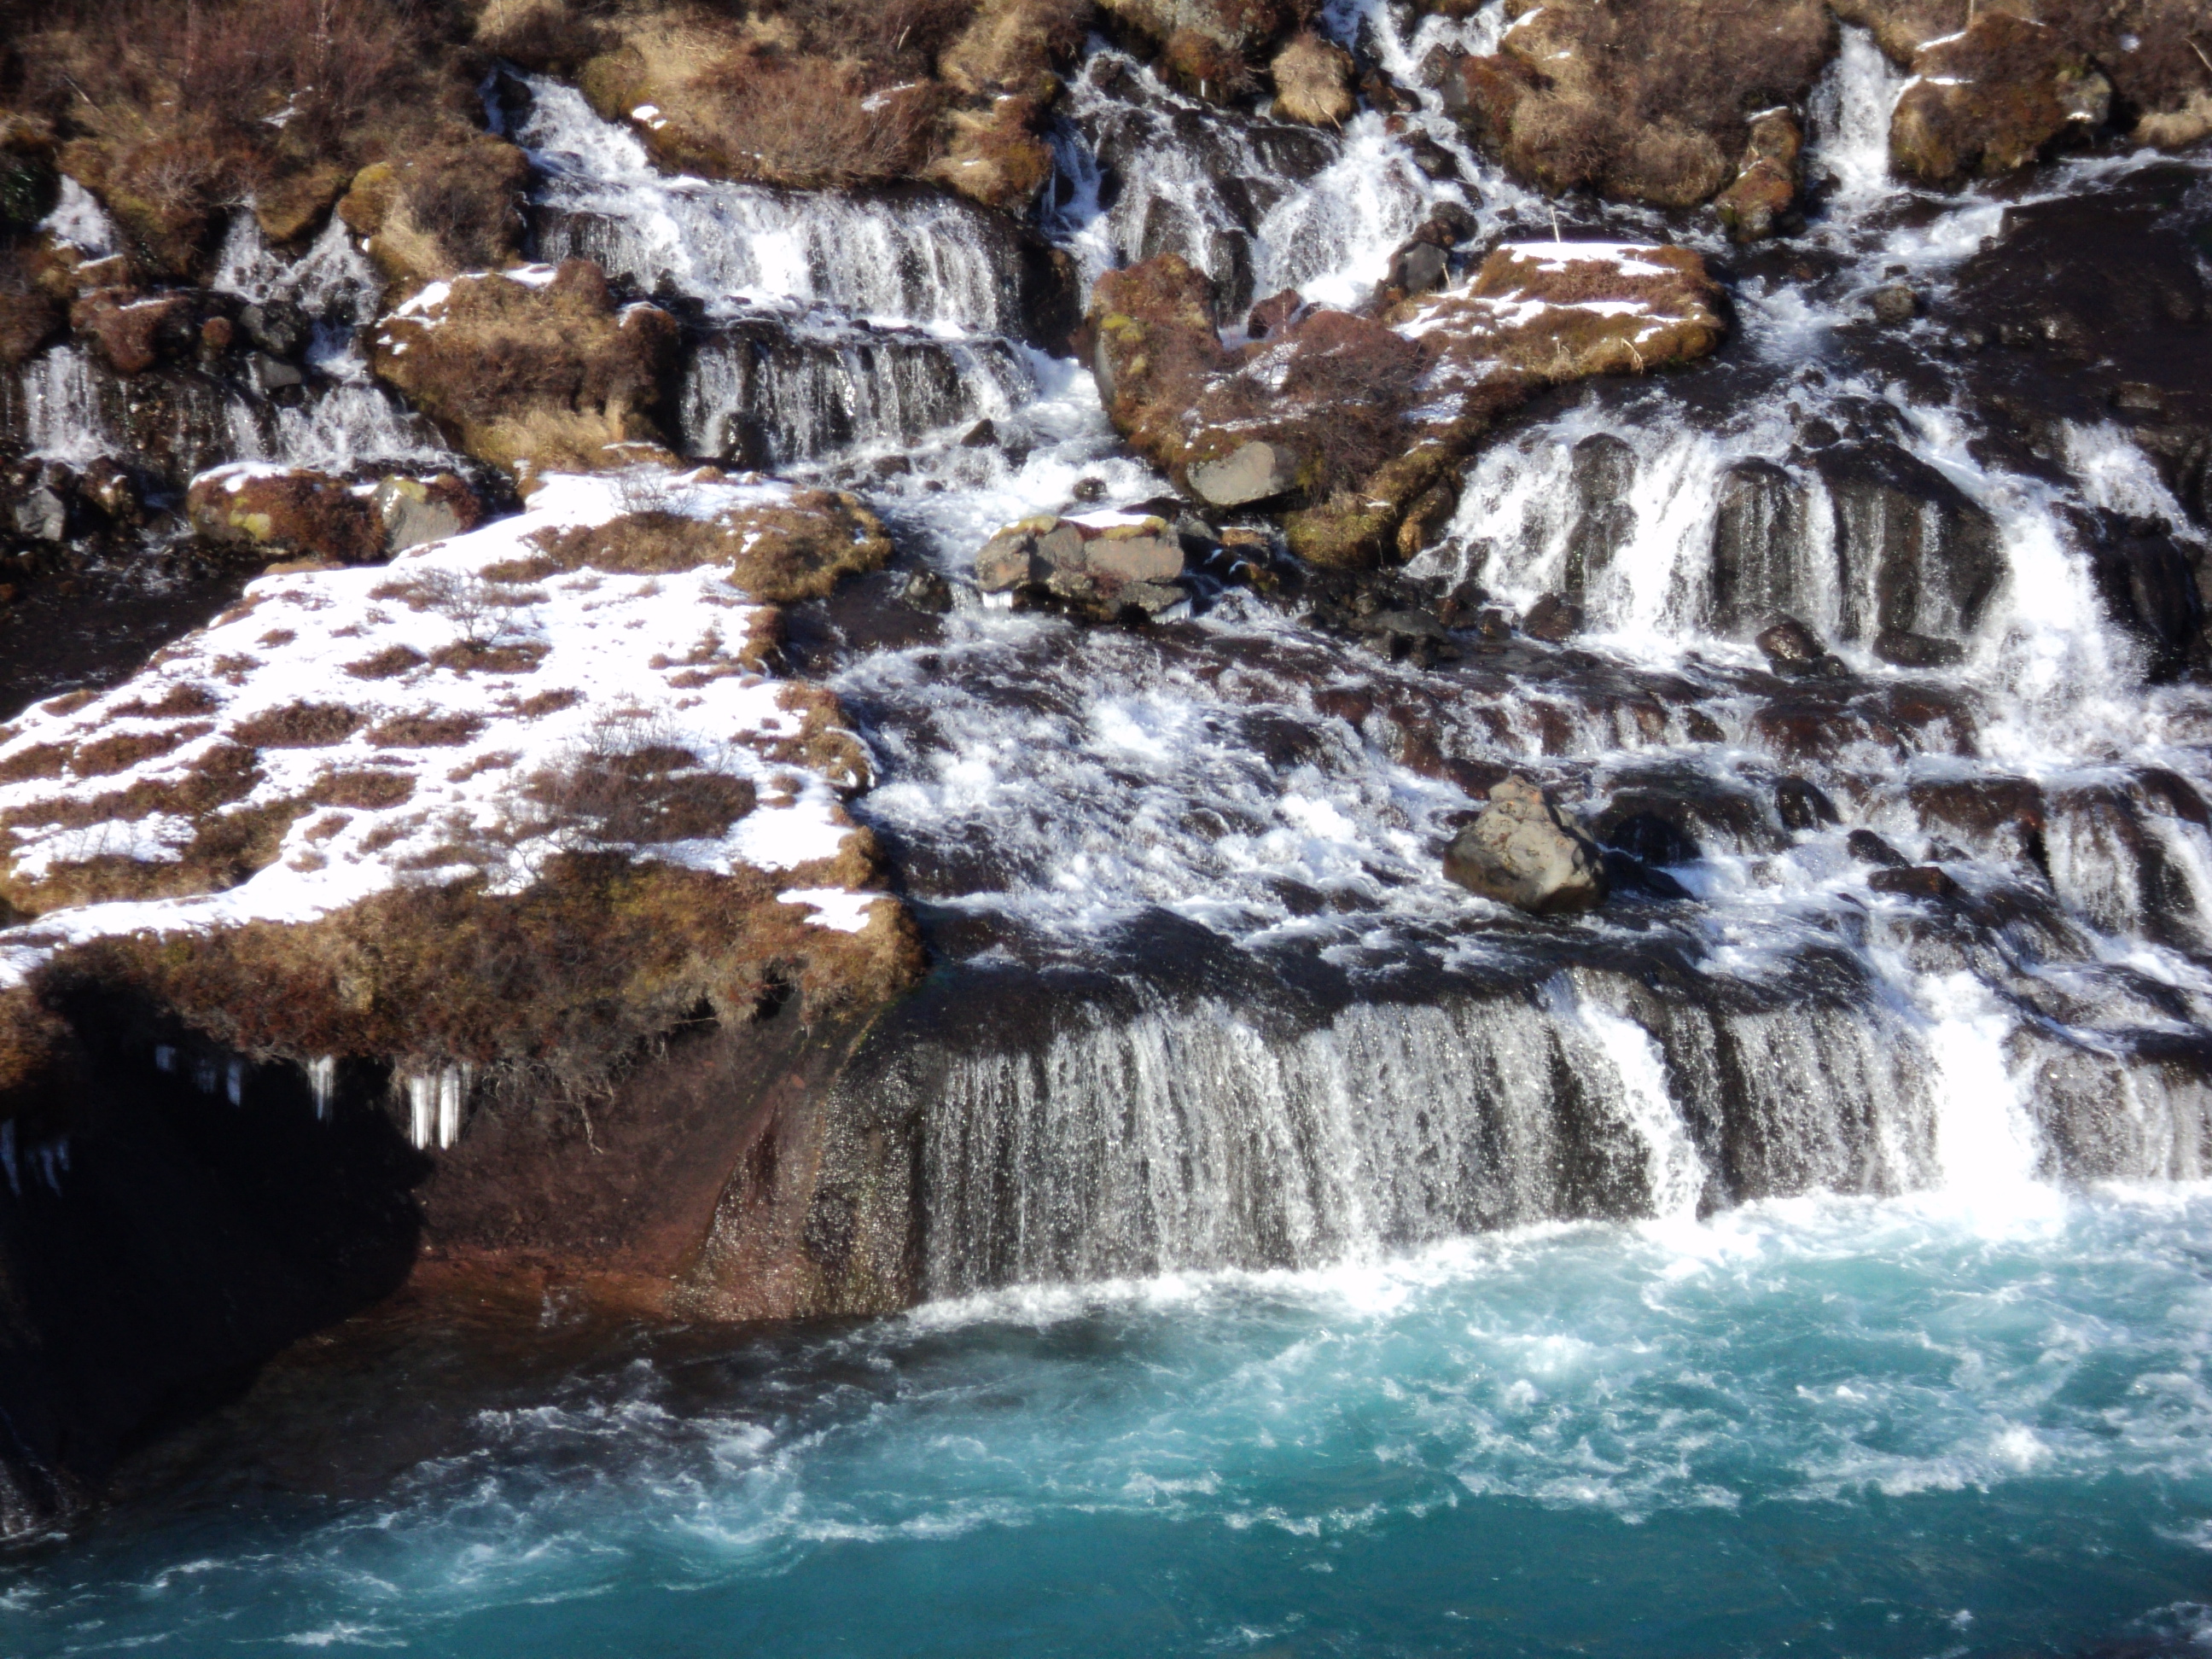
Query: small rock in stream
1523, 852
1552, 620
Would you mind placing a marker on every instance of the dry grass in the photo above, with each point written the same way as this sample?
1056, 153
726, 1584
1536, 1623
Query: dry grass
299, 725
391, 662
42, 760
103, 755
425, 730
627, 784
798, 550
40, 1061
363, 789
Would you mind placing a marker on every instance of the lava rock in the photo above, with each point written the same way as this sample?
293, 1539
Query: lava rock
1796, 650
1803, 805
275, 511
276, 326
1905, 649
1893, 304
1868, 847
1759, 543
1552, 620
1523, 852
927, 592
1915, 881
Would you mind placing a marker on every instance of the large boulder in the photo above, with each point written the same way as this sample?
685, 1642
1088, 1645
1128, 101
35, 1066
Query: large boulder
1524, 851
532, 370
1099, 564
1647, 102
1991, 98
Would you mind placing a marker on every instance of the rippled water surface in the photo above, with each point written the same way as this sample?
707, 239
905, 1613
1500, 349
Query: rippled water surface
1831, 1427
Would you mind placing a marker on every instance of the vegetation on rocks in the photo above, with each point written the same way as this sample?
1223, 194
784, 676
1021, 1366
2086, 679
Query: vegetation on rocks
1360, 417
532, 370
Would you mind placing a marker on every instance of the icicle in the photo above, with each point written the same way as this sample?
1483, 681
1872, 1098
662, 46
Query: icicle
453, 1094
205, 1074
323, 1085
423, 1104
165, 1057
235, 1082
7, 1157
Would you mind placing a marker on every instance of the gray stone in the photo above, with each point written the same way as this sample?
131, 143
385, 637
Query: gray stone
42, 514
411, 516
276, 326
1140, 558
1009, 560
1253, 472
1894, 304
1523, 852
1418, 267
271, 374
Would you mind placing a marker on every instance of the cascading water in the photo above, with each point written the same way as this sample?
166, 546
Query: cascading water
1321, 1260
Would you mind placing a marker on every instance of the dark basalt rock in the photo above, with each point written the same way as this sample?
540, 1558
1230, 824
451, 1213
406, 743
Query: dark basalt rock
1552, 620
1604, 473
1803, 805
1796, 650
1926, 881
1759, 533
1868, 847
1914, 555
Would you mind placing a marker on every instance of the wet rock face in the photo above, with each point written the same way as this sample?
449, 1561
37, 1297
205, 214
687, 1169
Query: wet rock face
1523, 852
1991, 98
1101, 565
1914, 555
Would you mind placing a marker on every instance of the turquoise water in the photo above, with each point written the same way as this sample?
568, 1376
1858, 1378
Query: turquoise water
1815, 1428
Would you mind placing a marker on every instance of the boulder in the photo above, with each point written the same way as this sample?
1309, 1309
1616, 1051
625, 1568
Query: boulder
1914, 553
132, 330
1991, 98
1099, 564
283, 513
1523, 852
1796, 650
1253, 472
1761, 560
533, 369
413, 511
1552, 620
1766, 181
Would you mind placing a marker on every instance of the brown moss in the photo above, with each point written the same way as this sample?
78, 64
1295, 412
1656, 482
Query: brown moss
299, 725
548, 702
824, 743
799, 548
997, 155
1014, 46
1647, 102
483, 657
565, 981
123, 749
41, 1064
42, 760
393, 660
436, 213
1991, 98
425, 730
533, 376
179, 701
228, 848
365, 788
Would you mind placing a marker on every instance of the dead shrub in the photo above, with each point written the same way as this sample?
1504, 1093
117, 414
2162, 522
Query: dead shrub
466, 657
365, 789
518, 572
393, 660
425, 730
547, 702
299, 725
124, 749
629, 784
809, 121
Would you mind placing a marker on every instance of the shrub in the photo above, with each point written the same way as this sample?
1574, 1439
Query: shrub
425, 730
124, 749
629, 783
299, 725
